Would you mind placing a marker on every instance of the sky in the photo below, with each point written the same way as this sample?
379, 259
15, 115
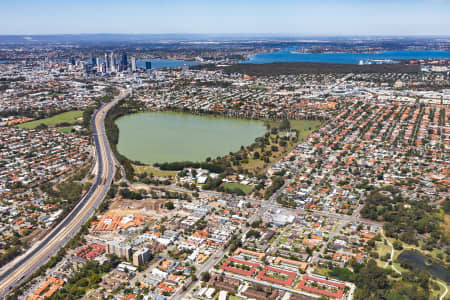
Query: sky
293, 17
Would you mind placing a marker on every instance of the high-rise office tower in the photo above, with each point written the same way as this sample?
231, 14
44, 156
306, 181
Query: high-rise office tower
148, 65
124, 62
107, 62
112, 62
133, 64
87, 68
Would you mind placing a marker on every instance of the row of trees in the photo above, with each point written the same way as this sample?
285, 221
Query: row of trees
178, 166
124, 107
277, 183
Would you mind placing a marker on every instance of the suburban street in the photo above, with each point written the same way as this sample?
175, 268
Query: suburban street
25, 265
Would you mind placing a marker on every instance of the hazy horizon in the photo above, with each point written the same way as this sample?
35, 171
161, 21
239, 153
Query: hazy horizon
286, 17
225, 34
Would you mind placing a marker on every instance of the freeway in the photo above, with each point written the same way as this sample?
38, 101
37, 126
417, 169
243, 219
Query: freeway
25, 265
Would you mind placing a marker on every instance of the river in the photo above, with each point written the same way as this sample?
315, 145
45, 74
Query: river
289, 55
165, 63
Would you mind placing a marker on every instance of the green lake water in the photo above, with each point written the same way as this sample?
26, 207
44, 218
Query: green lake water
152, 137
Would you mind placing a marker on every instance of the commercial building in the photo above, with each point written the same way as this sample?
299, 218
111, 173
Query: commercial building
119, 249
133, 64
124, 62
141, 257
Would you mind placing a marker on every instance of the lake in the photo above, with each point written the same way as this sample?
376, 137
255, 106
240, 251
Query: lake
418, 261
152, 137
288, 55
165, 63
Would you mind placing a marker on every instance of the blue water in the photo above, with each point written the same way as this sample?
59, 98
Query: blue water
342, 58
165, 63
4, 61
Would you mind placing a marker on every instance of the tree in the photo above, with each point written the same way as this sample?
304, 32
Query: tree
285, 124
42, 126
256, 155
446, 206
397, 245
253, 233
372, 281
256, 223
169, 205
205, 276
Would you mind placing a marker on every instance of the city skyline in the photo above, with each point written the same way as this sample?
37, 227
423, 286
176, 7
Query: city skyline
225, 149
301, 18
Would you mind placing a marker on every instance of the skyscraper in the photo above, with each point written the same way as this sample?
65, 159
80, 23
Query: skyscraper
124, 62
102, 68
148, 65
133, 64
112, 62
107, 62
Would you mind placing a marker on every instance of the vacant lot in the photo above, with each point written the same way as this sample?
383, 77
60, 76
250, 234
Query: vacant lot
69, 117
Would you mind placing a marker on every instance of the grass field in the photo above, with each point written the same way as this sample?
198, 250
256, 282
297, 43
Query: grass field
245, 188
304, 127
232, 297
156, 172
65, 129
382, 250
69, 117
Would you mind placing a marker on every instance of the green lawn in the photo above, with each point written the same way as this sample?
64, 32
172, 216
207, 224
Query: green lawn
245, 188
156, 172
67, 117
382, 250
55, 95
305, 127
231, 297
65, 129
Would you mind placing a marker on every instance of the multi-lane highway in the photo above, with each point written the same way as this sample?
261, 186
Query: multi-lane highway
25, 265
